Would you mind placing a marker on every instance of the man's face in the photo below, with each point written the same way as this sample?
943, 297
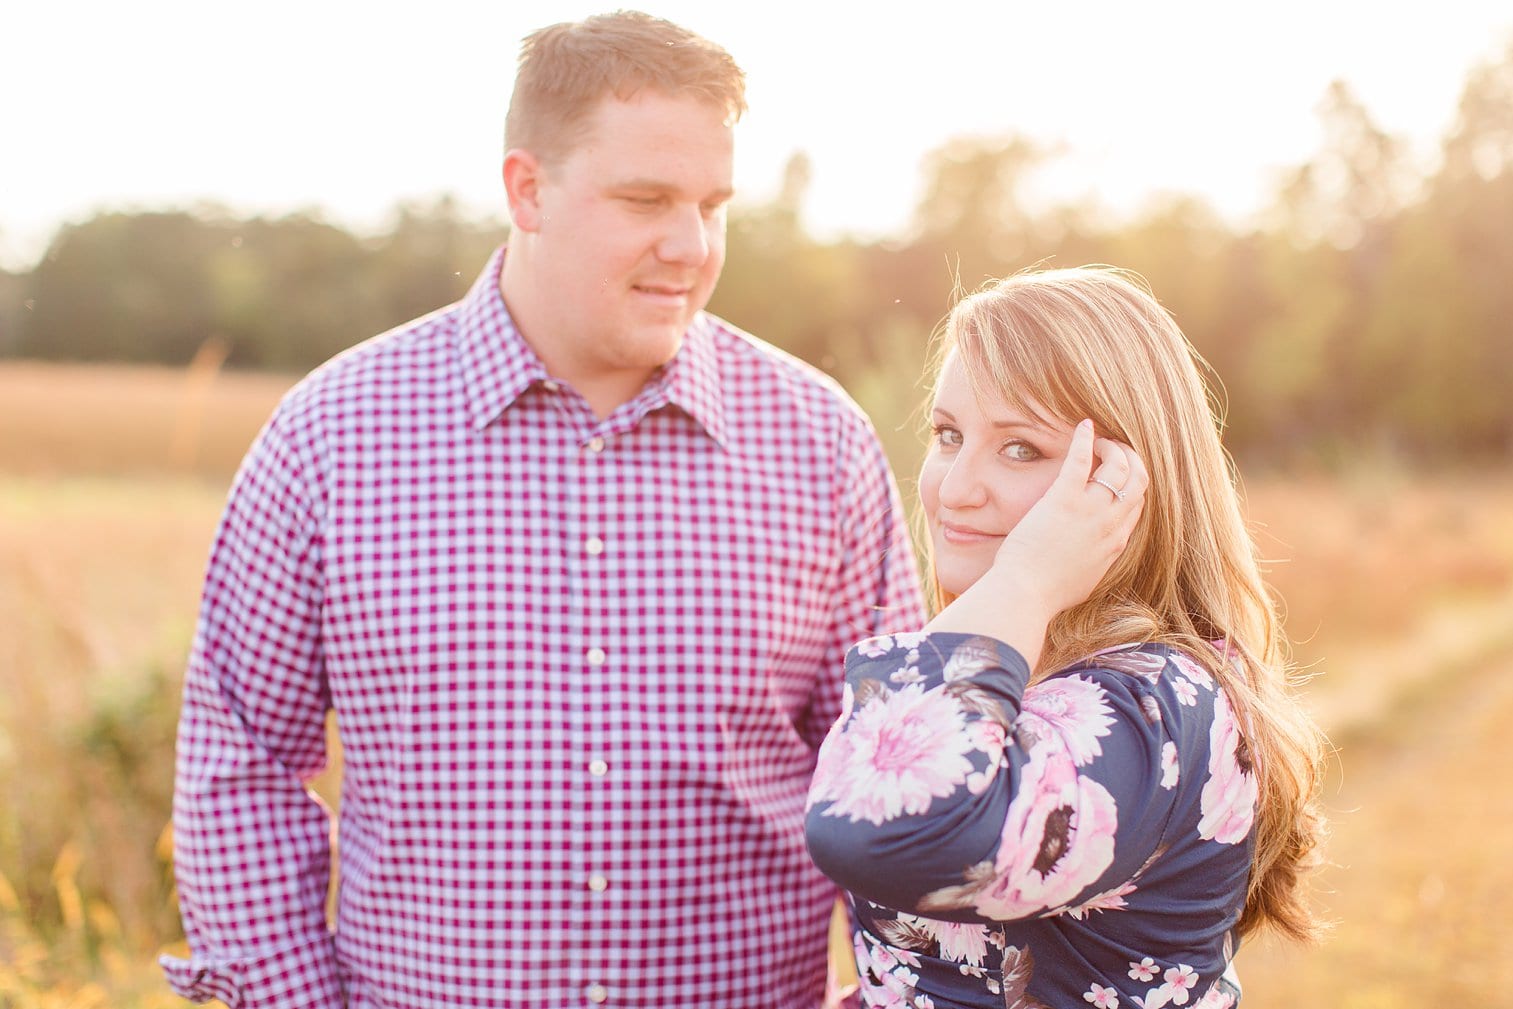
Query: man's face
630, 237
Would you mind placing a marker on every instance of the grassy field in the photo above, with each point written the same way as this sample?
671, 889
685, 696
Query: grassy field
111, 481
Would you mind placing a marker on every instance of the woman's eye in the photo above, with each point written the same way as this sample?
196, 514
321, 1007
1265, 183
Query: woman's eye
1021, 451
947, 437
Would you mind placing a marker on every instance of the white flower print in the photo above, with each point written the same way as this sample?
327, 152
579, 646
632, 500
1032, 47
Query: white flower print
1101, 997
1186, 692
1145, 970
913, 639
1071, 707
1190, 668
899, 752
1170, 769
875, 648
908, 674
1228, 799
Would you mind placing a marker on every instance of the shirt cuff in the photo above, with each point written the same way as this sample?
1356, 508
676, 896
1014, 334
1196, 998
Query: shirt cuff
304, 977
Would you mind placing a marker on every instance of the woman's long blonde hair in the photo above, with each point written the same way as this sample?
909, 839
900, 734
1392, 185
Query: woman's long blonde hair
1094, 342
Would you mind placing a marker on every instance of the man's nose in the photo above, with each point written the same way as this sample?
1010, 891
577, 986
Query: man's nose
687, 240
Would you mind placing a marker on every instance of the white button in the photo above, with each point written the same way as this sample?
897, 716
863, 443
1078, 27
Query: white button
598, 768
594, 545
596, 444
596, 656
551, 386
598, 884
597, 994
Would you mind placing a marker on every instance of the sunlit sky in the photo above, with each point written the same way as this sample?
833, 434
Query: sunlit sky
282, 105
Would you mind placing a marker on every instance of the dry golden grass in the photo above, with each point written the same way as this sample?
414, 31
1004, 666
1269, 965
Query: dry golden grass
60, 419
1400, 589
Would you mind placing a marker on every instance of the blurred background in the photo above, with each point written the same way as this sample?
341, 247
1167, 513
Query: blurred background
198, 204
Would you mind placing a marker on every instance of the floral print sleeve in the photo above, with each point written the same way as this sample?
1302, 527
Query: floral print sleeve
949, 792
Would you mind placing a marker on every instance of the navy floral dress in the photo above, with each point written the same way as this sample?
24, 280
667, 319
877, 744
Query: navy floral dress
1085, 841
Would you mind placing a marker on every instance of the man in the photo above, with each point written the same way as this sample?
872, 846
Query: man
575, 564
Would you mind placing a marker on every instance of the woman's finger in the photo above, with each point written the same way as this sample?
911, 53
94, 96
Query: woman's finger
1079, 458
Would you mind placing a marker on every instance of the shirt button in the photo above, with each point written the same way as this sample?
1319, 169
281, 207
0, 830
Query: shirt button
597, 994
551, 386
598, 884
596, 656
596, 444
594, 545
598, 768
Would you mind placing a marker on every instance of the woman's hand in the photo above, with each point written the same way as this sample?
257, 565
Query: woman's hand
1056, 555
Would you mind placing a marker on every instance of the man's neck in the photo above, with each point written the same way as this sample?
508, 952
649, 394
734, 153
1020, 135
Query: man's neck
604, 391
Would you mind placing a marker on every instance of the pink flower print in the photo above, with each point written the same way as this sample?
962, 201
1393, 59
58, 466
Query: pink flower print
900, 752
1145, 970
833, 756
1071, 707
1189, 667
1058, 838
875, 648
988, 737
896, 988
1186, 692
1170, 768
886, 992
1228, 800
1180, 981
1215, 998
960, 942
1108, 900
1101, 997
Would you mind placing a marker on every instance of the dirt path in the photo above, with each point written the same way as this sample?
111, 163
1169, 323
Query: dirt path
1422, 853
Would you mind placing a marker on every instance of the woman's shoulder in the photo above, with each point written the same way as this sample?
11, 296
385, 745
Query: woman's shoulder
1163, 690
1146, 667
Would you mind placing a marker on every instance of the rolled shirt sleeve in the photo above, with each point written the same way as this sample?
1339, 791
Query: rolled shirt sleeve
251, 842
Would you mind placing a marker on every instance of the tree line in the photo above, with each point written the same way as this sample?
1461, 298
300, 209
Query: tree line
1371, 310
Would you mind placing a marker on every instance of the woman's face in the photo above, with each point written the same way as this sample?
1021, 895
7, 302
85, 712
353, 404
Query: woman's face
987, 464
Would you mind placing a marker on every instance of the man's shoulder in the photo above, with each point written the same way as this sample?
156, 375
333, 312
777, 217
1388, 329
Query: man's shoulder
749, 362
399, 362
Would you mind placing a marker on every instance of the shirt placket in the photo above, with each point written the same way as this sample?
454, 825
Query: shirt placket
592, 556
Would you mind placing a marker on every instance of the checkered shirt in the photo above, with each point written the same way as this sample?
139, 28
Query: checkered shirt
580, 670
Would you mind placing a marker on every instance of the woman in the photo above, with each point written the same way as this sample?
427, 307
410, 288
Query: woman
1086, 778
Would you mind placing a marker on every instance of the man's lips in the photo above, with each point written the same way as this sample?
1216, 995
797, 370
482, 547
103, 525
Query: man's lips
666, 292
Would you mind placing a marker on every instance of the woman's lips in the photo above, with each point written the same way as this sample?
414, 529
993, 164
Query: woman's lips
965, 535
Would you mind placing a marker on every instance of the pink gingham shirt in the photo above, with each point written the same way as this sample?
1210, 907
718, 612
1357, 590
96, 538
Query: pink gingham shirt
580, 671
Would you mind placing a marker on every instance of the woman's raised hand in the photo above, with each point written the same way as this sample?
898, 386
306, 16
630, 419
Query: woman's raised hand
1055, 556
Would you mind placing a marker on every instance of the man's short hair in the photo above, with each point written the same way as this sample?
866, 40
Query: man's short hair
565, 69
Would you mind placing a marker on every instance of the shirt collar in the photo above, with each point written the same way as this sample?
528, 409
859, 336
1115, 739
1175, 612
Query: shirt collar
691, 380
498, 365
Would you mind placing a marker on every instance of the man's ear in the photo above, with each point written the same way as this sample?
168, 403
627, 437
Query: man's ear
522, 187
